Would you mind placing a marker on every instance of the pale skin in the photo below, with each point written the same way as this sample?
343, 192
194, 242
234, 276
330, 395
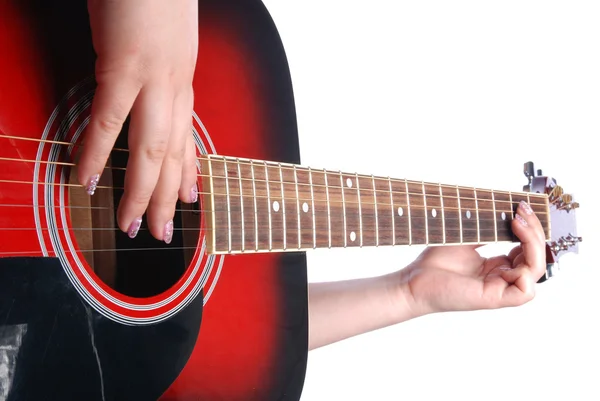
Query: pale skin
146, 57
441, 279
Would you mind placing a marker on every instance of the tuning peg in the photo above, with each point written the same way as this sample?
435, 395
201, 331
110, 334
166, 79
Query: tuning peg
555, 193
529, 172
564, 243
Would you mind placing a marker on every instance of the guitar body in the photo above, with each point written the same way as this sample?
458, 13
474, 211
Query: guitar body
87, 313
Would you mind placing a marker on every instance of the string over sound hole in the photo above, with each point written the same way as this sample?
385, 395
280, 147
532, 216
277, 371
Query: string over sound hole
138, 267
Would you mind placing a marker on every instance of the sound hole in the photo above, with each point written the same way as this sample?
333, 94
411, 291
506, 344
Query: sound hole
139, 267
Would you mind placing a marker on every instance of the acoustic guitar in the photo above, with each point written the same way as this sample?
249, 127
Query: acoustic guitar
220, 313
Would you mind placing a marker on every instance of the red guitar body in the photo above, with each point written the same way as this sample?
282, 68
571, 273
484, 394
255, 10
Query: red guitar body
87, 313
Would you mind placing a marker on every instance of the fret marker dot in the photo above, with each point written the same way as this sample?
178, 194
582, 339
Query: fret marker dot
352, 236
276, 206
349, 183
305, 207
400, 211
468, 214
503, 216
434, 212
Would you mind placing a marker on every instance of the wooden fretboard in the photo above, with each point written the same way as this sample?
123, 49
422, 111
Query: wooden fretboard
260, 206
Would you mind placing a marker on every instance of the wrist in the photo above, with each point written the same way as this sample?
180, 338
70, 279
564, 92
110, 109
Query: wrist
405, 304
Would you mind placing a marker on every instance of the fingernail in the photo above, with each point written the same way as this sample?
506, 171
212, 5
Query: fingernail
505, 267
194, 193
525, 206
134, 227
168, 233
520, 219
92, 184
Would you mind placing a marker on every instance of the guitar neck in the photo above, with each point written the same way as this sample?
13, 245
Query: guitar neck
261, 206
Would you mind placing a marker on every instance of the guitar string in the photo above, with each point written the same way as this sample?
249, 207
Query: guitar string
292, 200
250, 251
278, 182
226, 159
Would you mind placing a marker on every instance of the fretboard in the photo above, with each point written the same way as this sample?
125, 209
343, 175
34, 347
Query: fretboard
261, 206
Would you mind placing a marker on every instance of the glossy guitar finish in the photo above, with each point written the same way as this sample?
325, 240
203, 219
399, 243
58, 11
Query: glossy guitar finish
89, 314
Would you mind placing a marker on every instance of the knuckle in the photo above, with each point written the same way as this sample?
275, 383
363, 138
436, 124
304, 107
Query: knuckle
177, 155
110, 125
155, 153
139, 199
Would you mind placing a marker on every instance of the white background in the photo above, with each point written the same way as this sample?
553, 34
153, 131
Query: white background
458, 92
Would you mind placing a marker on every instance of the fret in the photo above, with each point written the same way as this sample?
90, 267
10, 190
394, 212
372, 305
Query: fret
503, 215
312, 198
289, 190
410, 241
306, 196
418, 213
256, 241
376, 214
212, 221
452, 214
384, 222
516, 198
393, 212
268, 186
243, 236
352, 210
344, 209
486, 212
278, 235
443, 215
228, 203
262, 200
368, 210
400, 211
298, 208
425, 213
249, 226
359, 210
435, 223
495, 217
328, 208
283, 207
234, 204
459, 215
321, 213
336, 210
477, 216
539, 205
220, 221
470, 224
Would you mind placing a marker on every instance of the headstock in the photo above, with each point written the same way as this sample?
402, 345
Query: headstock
563, 227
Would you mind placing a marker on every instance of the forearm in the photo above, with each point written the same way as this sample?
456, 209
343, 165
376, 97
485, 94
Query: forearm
339, 310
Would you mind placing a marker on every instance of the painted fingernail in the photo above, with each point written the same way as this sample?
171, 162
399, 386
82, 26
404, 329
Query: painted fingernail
92, 184
134, 227
194, 193
525, 206
168, 233
520, 219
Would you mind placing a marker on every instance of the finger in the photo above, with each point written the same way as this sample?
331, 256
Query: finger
162, 205
521, 288
149, 133
493, 264
112, 102
516, 251
188, 191
528, 229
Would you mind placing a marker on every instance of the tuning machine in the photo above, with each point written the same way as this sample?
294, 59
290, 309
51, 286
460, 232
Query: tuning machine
560, 223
